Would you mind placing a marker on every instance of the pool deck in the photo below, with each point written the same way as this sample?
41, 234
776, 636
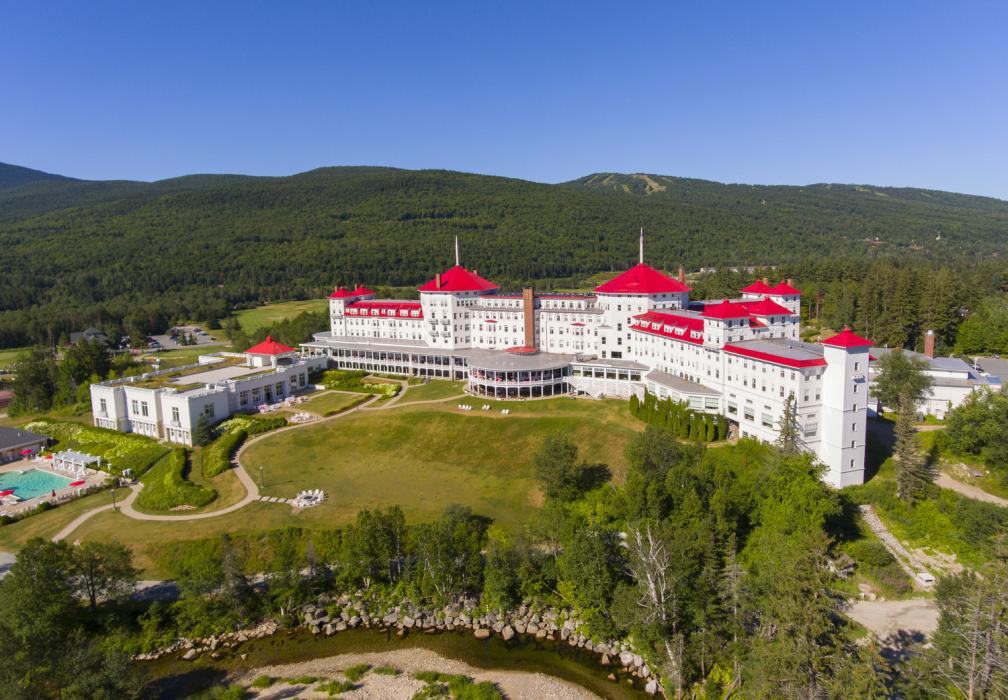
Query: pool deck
91, 478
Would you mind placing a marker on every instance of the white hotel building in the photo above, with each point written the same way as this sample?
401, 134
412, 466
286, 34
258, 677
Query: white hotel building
167, 404
740, 358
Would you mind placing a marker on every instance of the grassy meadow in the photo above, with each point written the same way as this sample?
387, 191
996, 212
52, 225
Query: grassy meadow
264, 316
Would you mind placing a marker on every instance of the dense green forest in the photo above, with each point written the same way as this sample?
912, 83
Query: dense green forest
138, 255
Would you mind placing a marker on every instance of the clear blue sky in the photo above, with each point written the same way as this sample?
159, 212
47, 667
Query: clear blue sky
888, 93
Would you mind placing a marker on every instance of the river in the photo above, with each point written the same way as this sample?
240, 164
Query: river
175, 678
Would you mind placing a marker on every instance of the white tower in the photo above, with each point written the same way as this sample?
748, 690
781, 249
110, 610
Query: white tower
844, 408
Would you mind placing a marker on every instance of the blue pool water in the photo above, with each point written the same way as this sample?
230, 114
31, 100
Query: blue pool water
32, 483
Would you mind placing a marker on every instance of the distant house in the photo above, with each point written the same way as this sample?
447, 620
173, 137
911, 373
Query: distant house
13, 441
89, 334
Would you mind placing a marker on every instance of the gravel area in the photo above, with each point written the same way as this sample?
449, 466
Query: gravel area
516, 685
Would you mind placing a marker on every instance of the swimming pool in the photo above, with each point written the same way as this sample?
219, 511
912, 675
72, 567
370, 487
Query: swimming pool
32, 482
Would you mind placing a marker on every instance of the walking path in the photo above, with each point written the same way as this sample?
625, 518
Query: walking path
887, 618
252, 492
907, 561
947, 481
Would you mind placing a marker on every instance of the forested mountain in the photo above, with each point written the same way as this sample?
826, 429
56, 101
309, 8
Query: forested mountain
83, 252
15, 176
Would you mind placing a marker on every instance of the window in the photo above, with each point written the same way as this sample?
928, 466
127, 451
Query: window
243, 398
136, 406
748, 414
143, 409
104, 406
732, 408
852, 464
853, 427
856, 366
208, 410
175, 414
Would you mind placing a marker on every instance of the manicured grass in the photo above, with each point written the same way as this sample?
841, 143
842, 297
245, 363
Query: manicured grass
47, 524
419, 457
425, 457
182, 356
264, 316
331, 403
434, 389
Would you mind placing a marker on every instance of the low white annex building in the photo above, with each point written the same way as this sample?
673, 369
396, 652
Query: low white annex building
639, 331
952, 380
167, 403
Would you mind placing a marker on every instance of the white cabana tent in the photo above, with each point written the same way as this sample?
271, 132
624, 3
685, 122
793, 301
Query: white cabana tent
73, 462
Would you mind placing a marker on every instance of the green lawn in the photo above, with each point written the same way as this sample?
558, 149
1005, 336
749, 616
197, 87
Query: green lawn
182, 356
419, 457
265, 316
331, 403
47, 524
425, 457
434, 389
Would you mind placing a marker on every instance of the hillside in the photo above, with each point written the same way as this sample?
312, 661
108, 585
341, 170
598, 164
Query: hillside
16, 176
84, 251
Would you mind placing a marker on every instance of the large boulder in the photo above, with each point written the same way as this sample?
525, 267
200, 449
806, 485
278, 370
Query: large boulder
507, 633
651, 688
482, 633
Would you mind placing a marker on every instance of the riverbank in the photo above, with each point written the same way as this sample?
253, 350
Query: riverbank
516, 685
173, 676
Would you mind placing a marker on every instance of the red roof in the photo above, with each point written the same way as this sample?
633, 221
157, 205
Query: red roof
341, 293
776, 359
782, 289
726, 309
400, 309
766, 307
459, 279
757, 287
269, 347
847, 339
688, 329
642, 279
360, 290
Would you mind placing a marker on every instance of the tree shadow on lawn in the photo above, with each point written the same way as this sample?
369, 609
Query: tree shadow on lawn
595, 475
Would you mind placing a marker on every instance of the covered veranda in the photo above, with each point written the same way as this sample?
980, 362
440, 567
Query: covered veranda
73, 462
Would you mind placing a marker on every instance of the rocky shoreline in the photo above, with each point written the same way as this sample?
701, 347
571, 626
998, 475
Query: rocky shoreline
330, 615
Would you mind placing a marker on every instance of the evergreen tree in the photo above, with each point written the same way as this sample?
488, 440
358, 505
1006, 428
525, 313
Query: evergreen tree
789, 435
634, 405
202, 432
914, 472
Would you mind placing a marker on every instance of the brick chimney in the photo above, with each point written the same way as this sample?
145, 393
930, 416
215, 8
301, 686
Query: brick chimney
437, 281
790, 282
528, 304
929, 343
682, 274
766, 281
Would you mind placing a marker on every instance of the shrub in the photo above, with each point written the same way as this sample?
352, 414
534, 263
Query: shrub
301, 680
355, 673
217, 455
263, 682
335, 687
386, 670
166, 487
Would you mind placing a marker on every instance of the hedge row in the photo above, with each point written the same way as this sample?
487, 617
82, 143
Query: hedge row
682, 420
217, 455
166, 487
231, 434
